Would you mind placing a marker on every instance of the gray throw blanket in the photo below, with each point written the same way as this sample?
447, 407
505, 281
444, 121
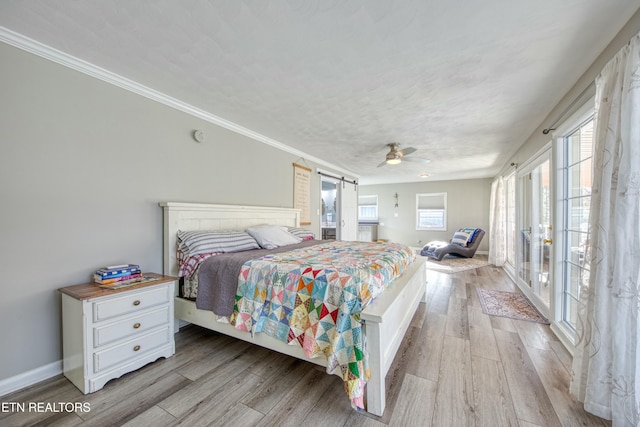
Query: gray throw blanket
218, 277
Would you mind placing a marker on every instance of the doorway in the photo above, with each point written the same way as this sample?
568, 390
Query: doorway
329, 208
339, 209
535, 241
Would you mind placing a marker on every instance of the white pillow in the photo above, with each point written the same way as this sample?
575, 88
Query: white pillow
272, 236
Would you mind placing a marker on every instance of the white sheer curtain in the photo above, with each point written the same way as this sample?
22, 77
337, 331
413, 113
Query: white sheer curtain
498, 223
606, 364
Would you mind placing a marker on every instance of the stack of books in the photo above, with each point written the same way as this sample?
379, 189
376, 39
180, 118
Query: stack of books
117, 276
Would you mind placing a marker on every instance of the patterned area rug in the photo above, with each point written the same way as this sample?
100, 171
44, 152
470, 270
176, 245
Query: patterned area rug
513, 305
456, 264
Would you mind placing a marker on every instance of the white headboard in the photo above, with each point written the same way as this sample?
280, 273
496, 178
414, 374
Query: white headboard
199, 216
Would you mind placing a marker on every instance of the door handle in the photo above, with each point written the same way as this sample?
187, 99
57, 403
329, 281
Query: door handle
549, 241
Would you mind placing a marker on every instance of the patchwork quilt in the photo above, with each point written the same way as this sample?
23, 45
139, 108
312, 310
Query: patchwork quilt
313, 297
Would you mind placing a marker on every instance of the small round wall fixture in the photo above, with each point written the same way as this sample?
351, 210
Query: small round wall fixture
198, 135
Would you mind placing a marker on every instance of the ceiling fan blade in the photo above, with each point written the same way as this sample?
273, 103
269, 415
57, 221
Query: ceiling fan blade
408, 150
382, 164
416, 160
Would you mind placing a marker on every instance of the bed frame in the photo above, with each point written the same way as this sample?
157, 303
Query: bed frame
385, 320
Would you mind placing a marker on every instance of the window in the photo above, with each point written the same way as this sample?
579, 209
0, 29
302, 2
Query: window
431, 211
578, 150
368, 208
510, 190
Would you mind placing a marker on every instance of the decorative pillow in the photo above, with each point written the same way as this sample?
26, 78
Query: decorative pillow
474, 233
303, 233
430, 248
188, 265
272, 236
193, 243
461, 238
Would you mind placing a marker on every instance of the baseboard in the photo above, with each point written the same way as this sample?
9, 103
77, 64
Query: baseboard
482, 252
563, 336
26, 379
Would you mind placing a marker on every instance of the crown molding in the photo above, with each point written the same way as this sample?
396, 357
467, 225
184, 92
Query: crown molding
47, 52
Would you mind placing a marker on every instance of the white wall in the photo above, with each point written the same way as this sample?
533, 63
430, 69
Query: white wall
467, 206
537, 140
82, 168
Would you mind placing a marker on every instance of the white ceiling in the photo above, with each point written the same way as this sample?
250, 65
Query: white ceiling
465, 82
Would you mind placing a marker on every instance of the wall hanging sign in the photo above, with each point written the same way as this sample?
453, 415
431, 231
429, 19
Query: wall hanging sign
302, 192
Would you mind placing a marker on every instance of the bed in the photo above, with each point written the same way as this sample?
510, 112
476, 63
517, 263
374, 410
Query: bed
384, 321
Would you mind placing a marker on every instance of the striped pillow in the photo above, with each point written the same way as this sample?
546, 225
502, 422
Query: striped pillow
474, 233
461, 237
193, 243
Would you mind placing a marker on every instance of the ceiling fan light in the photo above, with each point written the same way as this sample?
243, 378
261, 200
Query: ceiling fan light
394, 161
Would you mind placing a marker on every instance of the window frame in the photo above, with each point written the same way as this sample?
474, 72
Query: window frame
569, 301
443, 211
563, 329
375, 206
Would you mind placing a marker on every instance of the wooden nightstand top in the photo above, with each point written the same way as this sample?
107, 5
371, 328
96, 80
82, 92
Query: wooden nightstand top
92, 290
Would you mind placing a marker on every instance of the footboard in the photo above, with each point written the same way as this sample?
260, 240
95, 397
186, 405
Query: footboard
386, 322
186, 310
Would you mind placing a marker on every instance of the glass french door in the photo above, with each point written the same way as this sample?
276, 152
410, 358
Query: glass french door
535, 240
578, 151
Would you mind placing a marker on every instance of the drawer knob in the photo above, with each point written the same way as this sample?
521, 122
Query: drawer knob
136, 348
136, 302
136, 325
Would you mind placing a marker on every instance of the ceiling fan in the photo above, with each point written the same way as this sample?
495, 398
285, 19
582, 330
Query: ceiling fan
395, 156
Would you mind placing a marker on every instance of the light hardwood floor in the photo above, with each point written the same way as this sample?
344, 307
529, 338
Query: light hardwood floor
456, 367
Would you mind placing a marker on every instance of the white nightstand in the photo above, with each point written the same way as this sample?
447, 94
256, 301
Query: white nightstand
109, 332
